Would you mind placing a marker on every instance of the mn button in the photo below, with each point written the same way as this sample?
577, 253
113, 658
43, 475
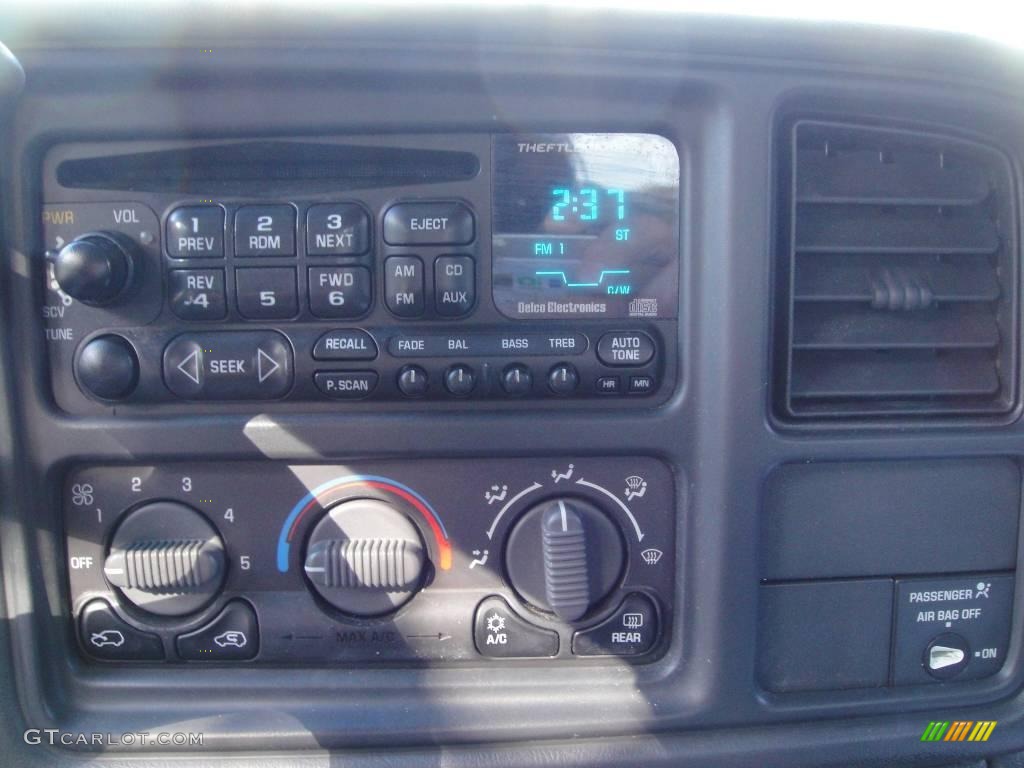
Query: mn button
246, 365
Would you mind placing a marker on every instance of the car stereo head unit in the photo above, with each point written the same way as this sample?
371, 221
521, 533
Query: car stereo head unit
502, 267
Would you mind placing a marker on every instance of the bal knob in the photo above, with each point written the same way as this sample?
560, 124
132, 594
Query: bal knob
96, 268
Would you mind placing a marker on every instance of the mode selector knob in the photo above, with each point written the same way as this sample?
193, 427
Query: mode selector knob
564, 556
96, 268
166, 558
365, 558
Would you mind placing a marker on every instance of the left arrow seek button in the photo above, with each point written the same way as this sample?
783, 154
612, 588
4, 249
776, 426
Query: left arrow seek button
243, 365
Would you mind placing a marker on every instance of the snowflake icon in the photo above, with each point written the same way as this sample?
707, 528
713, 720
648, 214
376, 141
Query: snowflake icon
495, 623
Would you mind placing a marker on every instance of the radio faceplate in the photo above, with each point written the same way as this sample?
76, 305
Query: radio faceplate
352, 270
373, 561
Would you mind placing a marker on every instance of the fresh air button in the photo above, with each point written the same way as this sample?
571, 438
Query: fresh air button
345, 385
404, 285
232, 365
198, 294
339, 291
630, 631
625, 348
454, 285
232, 636
448, 223
345, 344
196, 232
951, 627
267, 293
106, 636
337, 229
500, 634
265, 230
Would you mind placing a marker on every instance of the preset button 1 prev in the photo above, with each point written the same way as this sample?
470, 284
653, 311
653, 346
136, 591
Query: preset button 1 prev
239, 365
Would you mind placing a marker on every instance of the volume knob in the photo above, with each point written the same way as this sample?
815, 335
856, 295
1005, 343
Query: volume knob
96, 268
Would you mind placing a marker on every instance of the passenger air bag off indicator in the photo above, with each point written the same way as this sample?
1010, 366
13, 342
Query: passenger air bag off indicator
951, 628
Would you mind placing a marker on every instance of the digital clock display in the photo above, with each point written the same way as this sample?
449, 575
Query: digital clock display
586, 225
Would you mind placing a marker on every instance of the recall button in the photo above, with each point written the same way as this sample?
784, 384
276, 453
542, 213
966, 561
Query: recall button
625, 348
345, 344
241, 365
630, 631
444, 223
346, 385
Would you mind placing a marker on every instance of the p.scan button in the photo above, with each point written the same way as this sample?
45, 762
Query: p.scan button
243, 365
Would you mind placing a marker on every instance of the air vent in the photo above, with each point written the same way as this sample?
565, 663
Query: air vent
898, 275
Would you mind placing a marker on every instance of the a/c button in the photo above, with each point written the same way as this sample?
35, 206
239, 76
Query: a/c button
501, 634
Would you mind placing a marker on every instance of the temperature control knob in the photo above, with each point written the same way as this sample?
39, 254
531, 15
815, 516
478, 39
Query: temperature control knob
96, 268
564, 556
166, 558
365, 558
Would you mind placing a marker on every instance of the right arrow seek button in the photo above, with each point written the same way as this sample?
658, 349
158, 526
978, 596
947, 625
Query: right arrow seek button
242, 365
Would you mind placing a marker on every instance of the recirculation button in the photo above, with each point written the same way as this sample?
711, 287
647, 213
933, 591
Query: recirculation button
501, 634
232, 636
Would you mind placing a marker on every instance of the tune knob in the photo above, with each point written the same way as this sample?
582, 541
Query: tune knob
96, 268
365, 558
564, 556
166, 558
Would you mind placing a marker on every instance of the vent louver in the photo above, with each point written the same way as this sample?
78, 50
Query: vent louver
898, 275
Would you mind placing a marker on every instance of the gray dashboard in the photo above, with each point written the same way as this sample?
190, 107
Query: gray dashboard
784, 557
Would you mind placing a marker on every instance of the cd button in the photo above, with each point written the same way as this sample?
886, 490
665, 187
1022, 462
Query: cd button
267, 293
196, 232
265, 230
339, 291
404, 285
198, 294
625, 348
337, 229
454, 285
446, 223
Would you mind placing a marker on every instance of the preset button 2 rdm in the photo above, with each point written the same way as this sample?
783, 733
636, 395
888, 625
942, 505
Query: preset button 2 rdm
537, 276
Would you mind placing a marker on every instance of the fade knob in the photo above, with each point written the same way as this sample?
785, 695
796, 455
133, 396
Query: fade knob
365, 558
564, 556
166, 558
97, 268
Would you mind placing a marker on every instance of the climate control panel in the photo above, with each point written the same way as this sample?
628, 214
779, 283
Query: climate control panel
556, 559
